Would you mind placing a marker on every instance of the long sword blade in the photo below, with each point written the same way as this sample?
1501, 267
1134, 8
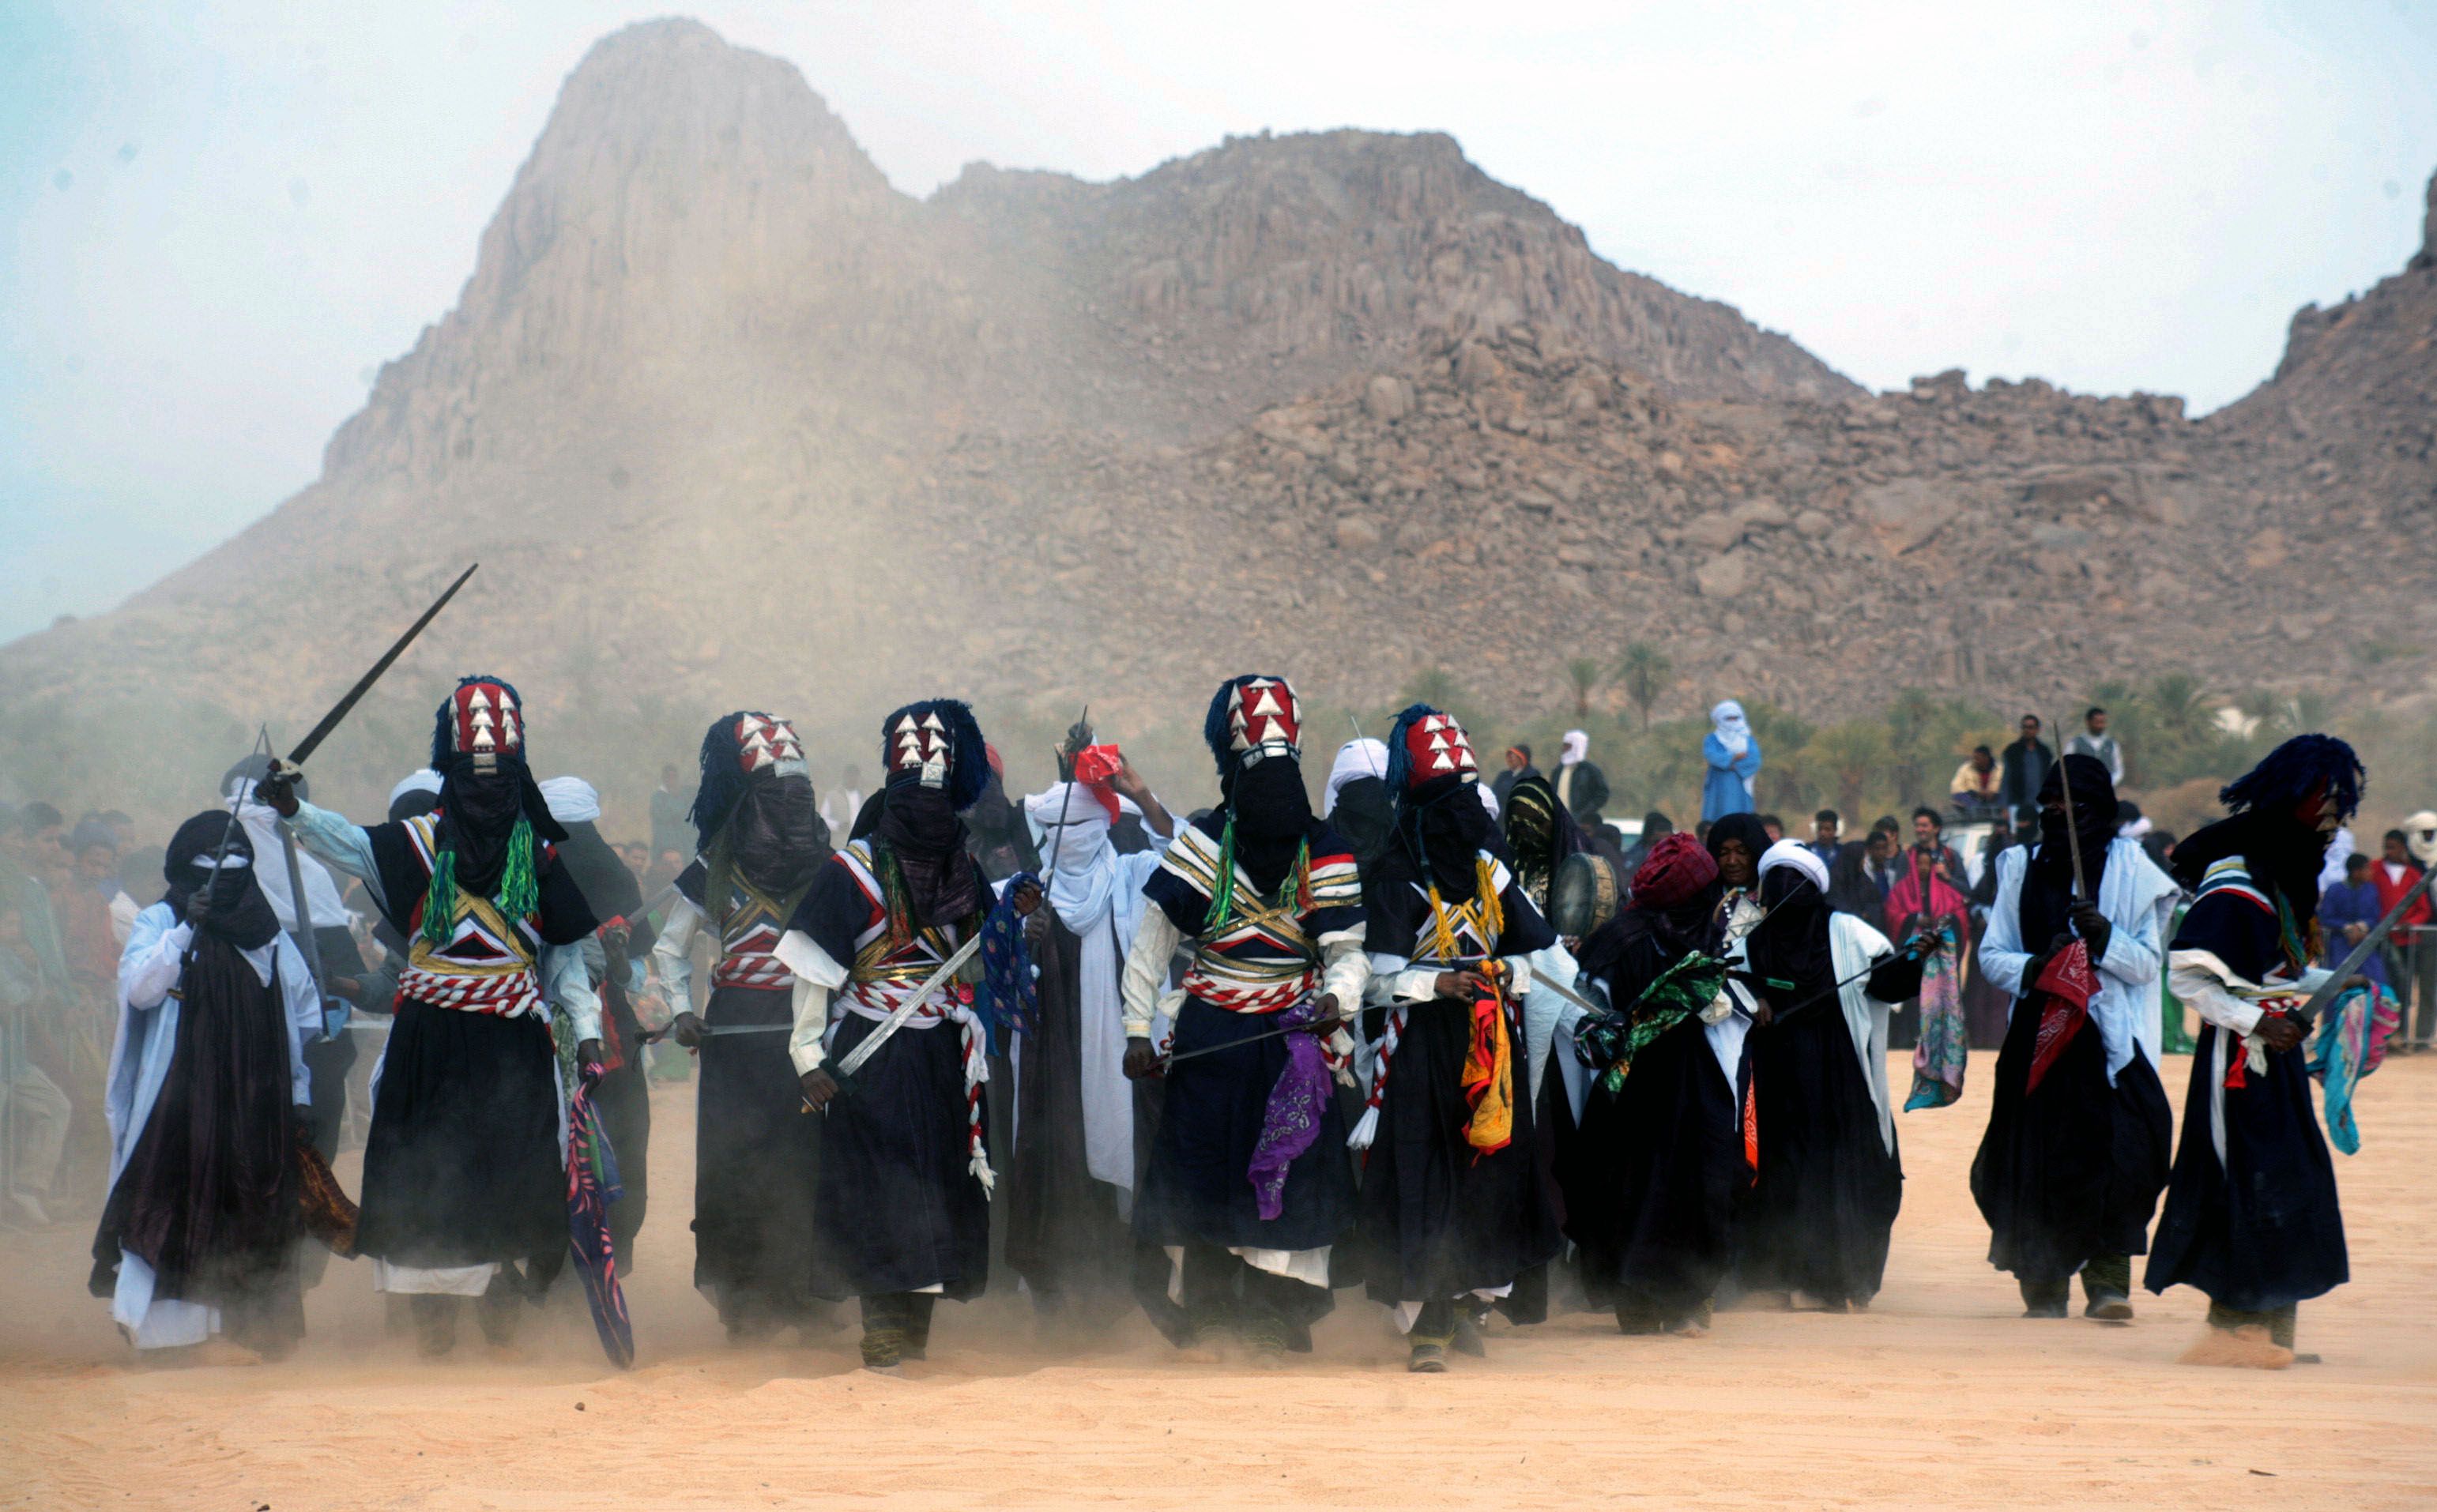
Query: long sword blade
896, 1021
321, 732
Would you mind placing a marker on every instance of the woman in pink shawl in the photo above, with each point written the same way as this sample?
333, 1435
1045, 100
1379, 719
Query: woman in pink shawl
1928, 895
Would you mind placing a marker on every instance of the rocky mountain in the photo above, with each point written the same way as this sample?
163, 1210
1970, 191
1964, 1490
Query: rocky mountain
730, 420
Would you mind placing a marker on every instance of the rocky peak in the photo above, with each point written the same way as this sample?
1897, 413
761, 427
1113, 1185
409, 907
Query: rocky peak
1336, 244
684, 193
2428, 255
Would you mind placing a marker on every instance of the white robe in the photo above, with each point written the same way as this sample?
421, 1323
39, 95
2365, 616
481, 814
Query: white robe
2138, 900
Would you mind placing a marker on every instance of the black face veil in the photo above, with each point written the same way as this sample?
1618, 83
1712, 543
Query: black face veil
234, 903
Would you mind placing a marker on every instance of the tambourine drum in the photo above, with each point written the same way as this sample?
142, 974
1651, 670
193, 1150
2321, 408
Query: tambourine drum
1583, 894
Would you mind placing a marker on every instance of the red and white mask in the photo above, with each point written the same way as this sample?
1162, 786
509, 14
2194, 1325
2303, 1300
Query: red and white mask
919, 744
769, 745
487, 723
1264, 719
1436, 747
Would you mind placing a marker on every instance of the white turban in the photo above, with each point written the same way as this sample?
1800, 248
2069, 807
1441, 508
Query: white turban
1361, 757
1576, 746
572, 800
1733, 730
425, 780
1794, 853
1071, 826
2420, 836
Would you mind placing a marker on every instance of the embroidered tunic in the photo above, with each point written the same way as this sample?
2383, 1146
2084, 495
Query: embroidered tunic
749, 926
1263, 956
891, 958
491, 964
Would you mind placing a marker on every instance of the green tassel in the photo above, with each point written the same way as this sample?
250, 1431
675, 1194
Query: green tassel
440, 902
519, 888
1222, 897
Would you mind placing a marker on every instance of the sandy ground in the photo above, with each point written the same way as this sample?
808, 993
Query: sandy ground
1940, 1396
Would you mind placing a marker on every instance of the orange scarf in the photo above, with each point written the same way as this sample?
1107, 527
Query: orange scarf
1489, 1077
1489, 1061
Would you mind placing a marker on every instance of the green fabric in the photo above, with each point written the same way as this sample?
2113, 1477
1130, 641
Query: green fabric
2108, 1275
1681, 991
2175, 1039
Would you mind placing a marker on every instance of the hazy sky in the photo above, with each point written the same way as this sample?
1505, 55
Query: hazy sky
216, 220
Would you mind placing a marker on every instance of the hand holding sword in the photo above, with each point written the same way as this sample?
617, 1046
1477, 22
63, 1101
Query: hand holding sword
1140, 1060
822, 1086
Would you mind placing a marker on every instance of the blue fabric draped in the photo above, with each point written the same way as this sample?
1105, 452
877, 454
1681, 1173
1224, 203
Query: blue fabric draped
1010, 1001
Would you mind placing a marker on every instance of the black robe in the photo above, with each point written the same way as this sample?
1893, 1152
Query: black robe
1439, 1219
1651, 1177
896, 1207
2262, 1228
757, 1154
1065, 1235
2073, 1171
1826, 1188
462, 1166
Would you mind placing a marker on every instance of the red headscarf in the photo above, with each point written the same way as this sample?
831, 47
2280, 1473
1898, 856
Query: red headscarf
1675, 870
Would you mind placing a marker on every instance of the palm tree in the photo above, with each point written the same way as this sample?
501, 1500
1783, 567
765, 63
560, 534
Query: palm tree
1850, 758
2174, 703
1585, 674
1438, 687
1910, 721
1646, 672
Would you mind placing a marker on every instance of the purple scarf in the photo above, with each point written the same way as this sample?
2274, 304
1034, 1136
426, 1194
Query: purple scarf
1291, 1120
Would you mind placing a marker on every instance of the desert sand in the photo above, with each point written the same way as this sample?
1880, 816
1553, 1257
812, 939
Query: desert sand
1940, 1397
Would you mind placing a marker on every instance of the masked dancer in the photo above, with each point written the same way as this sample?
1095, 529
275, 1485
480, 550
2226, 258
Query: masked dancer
1249, 1186
464, 1190
760, 839
900, 1213
1455, 1214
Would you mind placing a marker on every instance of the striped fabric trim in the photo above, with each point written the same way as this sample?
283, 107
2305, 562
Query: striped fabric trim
2232, 876
750, 933
857, 860
486, 967
1335, 882
1194, 857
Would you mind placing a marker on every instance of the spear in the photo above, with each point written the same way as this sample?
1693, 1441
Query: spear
1077, 736
2072, 831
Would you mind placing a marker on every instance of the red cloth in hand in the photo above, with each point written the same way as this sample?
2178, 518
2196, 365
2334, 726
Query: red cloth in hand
2063, 992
